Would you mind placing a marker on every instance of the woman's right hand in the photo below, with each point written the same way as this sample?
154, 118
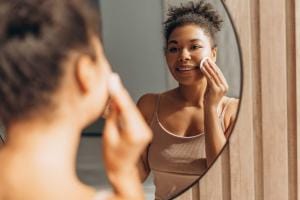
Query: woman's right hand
217, 85
126, 136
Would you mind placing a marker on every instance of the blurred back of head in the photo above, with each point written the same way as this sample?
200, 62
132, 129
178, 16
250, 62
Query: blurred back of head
36, 38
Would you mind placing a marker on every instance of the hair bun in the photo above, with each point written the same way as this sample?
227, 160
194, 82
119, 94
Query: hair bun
21, 20
201, 8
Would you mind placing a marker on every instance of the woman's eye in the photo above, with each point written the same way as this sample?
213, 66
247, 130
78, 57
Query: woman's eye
194, 47
173, 49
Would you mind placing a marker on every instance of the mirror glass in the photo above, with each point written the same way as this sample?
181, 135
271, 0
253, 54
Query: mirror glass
134, 43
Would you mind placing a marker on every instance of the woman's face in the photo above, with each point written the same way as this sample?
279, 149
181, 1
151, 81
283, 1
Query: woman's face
186, 47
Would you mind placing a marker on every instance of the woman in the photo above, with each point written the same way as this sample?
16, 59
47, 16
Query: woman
191, 122
54, 81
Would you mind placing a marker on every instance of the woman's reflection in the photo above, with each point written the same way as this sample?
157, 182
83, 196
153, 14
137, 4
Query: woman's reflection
191, 122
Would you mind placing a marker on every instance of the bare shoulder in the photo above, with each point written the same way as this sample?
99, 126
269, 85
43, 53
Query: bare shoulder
146, 105
232, 105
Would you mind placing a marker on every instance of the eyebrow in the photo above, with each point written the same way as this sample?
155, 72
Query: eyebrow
195, 40
172, 42
192, 40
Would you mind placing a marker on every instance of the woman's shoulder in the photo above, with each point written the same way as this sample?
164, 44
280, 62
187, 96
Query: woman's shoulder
147, 100
231, 102
147, 104
230, 107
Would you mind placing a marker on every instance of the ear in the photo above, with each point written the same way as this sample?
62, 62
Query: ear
214, 51
85, 71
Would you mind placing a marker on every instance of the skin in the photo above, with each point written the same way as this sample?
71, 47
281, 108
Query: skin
200, 91
38, 159
1, 143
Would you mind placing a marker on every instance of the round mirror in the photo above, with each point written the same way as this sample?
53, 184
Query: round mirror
135, 45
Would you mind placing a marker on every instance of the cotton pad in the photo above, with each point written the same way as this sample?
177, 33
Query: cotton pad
202, 61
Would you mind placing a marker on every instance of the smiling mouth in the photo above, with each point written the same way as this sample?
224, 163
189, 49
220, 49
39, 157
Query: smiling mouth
186, 69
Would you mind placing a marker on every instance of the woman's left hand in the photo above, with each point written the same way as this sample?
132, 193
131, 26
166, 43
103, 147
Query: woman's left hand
217, 85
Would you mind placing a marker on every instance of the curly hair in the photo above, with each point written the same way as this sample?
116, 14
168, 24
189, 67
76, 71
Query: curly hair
36, 36
201, 13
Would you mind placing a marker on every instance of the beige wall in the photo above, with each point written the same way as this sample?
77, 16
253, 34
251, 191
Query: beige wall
263, 157
133, 44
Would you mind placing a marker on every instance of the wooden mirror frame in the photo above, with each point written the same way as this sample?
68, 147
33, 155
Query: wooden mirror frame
262, 160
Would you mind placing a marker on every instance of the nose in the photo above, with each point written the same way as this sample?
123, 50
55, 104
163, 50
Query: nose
184, 55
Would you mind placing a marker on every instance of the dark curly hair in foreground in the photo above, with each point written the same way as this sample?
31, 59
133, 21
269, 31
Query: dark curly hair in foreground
201, 13
36, 37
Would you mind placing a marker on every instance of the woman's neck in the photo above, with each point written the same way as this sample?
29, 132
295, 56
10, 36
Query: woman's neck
45, 154
192, 94
50, 144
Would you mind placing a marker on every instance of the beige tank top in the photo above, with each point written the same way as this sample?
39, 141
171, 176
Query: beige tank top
176, 161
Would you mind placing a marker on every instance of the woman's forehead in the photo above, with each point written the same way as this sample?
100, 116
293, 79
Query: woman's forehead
188, 33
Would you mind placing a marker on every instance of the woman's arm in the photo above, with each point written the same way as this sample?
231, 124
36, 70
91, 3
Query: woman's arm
143, 167
146, 105
214, 136
217, 87
230, 116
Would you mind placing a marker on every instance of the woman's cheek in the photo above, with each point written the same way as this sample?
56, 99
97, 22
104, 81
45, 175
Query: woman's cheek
171, 60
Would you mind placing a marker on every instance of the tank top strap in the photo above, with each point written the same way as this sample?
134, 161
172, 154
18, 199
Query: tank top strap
154, 114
